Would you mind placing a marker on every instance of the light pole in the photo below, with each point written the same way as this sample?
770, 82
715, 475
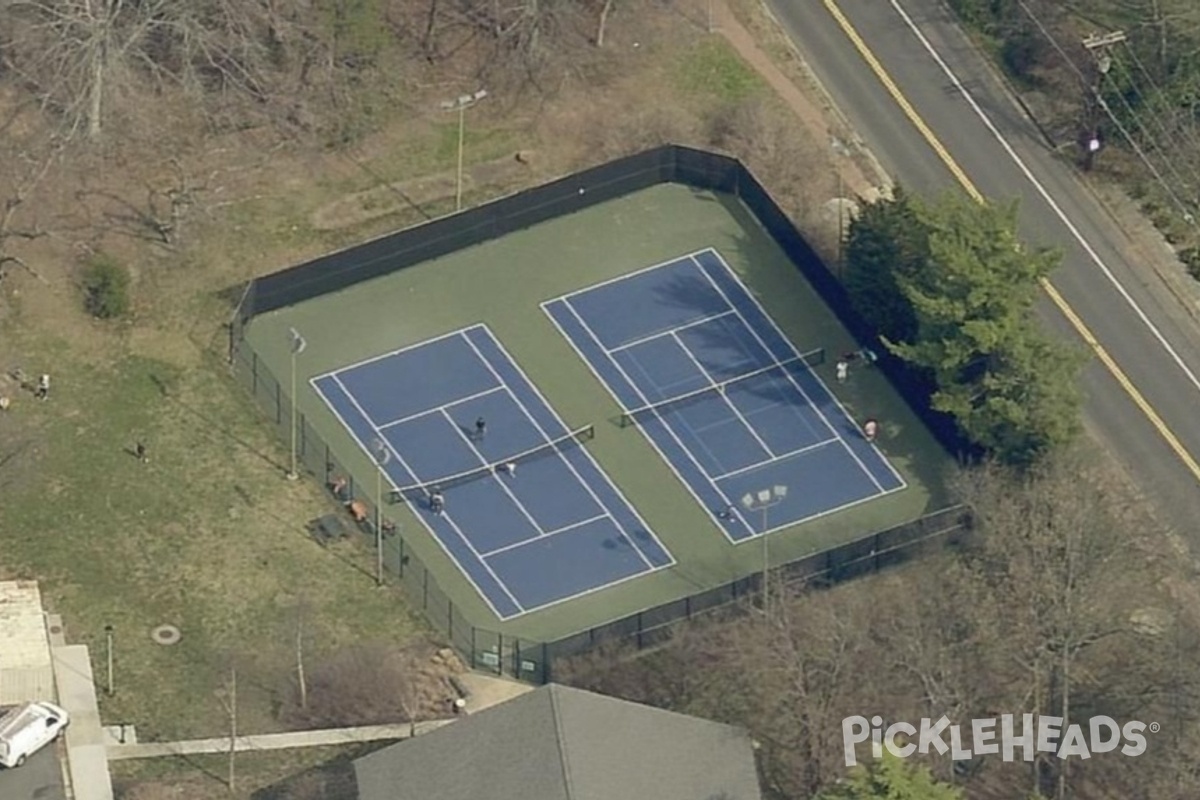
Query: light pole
461, 104
382, 457
762, 500
108, 636
297, 344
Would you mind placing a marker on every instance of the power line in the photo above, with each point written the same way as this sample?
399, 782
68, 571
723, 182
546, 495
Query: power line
1103, 104
1187, 130
1152, 141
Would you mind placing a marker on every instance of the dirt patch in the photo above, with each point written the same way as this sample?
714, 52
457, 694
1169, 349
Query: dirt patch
384, 201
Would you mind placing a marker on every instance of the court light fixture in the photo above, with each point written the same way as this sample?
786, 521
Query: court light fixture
297, 343
762, 500
382, 455
461, 104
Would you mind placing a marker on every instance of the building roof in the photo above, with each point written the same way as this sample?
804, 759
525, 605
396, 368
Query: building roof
559, 743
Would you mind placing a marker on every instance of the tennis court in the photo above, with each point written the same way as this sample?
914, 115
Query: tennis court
728, 401
551, 529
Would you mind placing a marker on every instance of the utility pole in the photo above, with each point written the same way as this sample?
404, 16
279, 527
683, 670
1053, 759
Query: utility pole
1098, 45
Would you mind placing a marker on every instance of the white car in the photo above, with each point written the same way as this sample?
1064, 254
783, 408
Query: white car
26, 729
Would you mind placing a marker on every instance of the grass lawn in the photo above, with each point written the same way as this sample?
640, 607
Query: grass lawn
208, 536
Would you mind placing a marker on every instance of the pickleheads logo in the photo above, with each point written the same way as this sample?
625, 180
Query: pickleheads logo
1001, 735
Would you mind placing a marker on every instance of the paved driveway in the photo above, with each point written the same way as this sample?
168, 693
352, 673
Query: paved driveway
39, 779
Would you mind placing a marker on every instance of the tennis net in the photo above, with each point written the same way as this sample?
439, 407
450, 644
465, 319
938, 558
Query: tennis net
418, 491
813, 358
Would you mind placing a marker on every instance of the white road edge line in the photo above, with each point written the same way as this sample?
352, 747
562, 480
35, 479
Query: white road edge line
1041, 190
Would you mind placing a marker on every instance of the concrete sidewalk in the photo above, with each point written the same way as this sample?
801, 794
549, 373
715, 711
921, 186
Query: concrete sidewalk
86, 756
275, 741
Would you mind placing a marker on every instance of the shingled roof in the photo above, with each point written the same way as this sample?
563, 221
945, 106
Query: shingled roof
559, 743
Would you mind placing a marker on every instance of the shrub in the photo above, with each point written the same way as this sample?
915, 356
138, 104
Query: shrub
106, 288
1191, 261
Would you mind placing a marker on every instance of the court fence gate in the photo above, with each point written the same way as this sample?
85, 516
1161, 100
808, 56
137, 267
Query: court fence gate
515, 657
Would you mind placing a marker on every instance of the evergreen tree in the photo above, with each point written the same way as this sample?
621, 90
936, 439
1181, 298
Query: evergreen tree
953, 294
891, 779
885, 242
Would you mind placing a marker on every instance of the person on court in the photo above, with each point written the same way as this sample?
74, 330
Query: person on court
480, 428
43, 388
510, 468
437, 503
843, 370
870, 429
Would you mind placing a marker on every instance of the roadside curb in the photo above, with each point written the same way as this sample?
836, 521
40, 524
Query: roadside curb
881, 176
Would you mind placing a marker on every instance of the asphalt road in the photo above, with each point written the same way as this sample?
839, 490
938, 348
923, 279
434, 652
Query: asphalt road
1160, 377
40, 778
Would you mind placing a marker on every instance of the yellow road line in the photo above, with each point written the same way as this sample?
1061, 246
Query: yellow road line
1058, 300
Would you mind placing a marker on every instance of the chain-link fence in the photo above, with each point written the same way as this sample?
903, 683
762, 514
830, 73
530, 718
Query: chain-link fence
487, 649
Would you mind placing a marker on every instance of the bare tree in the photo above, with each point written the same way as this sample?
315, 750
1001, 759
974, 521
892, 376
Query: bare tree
365, 684
605, 10
228, 697
79, 55
1060, 556
301, 678
28, 165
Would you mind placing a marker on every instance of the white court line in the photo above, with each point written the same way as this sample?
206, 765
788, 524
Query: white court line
790, 377
442, 408
671, 561
595, 464
626, 276
554, 532
484, 462
587, 487
1045, 195
670, 431
372, 359
592, 368
668, 332
444, 513
777, 459
637, 366
797, 355
713, 385
827, 512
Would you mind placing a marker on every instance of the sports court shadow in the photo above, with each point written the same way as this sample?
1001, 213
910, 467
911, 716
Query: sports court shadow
691, 293
822, 317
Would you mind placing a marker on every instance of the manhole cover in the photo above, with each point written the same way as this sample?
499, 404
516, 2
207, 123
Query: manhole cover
56, 629
166, 634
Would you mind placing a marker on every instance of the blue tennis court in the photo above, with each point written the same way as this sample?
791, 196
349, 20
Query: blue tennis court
743, 411
552, 529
